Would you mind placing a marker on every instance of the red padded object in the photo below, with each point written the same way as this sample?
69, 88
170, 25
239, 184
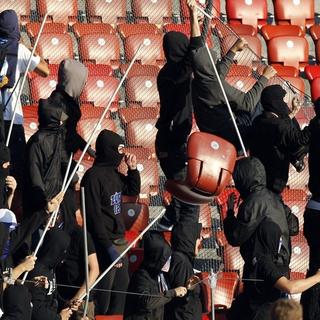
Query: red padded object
113, 317
130, 114
304, 115
315, 32
236, 70
244, 29
99, 90
226, 289
112, 11
232, 259
21, 7
88, 111
143, 90
211, 161
300, 256
222, 201
151, 11
30, 125
128, 29
55, 47
270, 31
135, 216
286, 71
312, 71
42, 87
253, 13
152, 54
135, 258
185, 11
243, 83
33, 28
59, 12
82, 29
99, 69
296, 82
30, 111
205, 220
140, 152
299, 13
100, 49
140, 70
298, 180
315, 89
289, 51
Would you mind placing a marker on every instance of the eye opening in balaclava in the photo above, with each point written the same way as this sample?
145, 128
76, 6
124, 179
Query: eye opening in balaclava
175, 46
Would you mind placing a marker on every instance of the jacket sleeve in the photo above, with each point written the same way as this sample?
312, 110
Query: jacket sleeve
94, 213
131, 183
293, 138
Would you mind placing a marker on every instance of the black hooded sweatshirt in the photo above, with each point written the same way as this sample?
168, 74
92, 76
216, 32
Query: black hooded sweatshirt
184, 237
45, 305
104, 186
258, 203
4, 172
275, 137
146, 280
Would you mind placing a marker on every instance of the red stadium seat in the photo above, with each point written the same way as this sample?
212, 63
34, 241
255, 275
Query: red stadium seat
232, 259
300, 256
143, 90
304, 116
140, 70
236, 70
99, 90
315, 32
243, 29
104, 70
242, 83
312, 72
205, 220
253, 13
286, 71
135, 216
30, 110
65, 13
100, 49
22, 8
298, 180
130, 114
55, 47
33, 28
296, 82
318, 50
42, 87
300, 13
112, 11
159, 11
222, 200
113, 317
88, 111
315, 89
127, 29
270, 31
185, 15
82, 29
30, 124
151, 54
226, 289
140, 152
289, 51
135, 258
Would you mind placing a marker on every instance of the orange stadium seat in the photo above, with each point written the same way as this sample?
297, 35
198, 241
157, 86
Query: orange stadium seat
33, 28
55, 47
99, 69
298, 180
300, 13
232, 259
99, 90
22, 8
289, 51
315, 32
82, 29
300, 256
253, 13
135, 216
270, 31
312, 72
42, 87
100, 49
185, 15
132, 113
140, 152
135, 258
142, 90
151, 54
151, 11
88, 111
244, 29
296, 82
127, 29
140, 70
315, 89
112, 11
222, 200
226, 289
236, 70
65, 13
30, 124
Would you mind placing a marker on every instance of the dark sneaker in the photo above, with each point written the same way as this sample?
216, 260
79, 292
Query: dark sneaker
165, 224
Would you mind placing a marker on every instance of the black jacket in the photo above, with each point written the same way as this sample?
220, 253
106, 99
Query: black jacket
146, 280
184, 236
258, 203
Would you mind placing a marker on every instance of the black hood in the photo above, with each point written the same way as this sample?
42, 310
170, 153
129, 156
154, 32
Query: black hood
249, 175
4, 172
55, 245
107, 153
175, 46
49, 116
272, 100
9, 25
317, 107
184, 237
156, 252
4, 154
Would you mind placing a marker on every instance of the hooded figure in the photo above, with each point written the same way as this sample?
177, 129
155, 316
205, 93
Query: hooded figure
43, 167
53, 249
149, 281
104, 186
258, 203
4, 173
276, 139
184, 243
72, 77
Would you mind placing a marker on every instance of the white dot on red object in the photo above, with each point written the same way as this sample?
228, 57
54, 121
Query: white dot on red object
101, 42
215, 145
148, 84
131, 213
33, 125
52, 83
133, 258
297, 250
290, 44
239, 84
248, 2
100, 83
81, 168
140, 167
149, 127
296, 2
55, 41
295, 209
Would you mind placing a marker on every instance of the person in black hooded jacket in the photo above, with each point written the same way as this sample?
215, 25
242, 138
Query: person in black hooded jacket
104, 187
276, 137
149, 280
185, 246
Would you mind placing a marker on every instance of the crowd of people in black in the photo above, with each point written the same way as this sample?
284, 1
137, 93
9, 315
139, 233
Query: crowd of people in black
164, 287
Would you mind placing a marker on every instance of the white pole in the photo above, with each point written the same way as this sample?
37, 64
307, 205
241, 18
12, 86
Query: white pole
126, 250
24, 79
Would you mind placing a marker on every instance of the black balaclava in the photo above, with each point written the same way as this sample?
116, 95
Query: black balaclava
249, 175
10, 37
4, 236
4, 172
107, 153
184, 238
272, 101
50, 116
156, 252
175, 46
317, 107
54, 248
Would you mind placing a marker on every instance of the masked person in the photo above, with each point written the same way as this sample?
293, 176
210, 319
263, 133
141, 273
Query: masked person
185, 247
104, 187
16, 56
266, 264
277, 139
149, 281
